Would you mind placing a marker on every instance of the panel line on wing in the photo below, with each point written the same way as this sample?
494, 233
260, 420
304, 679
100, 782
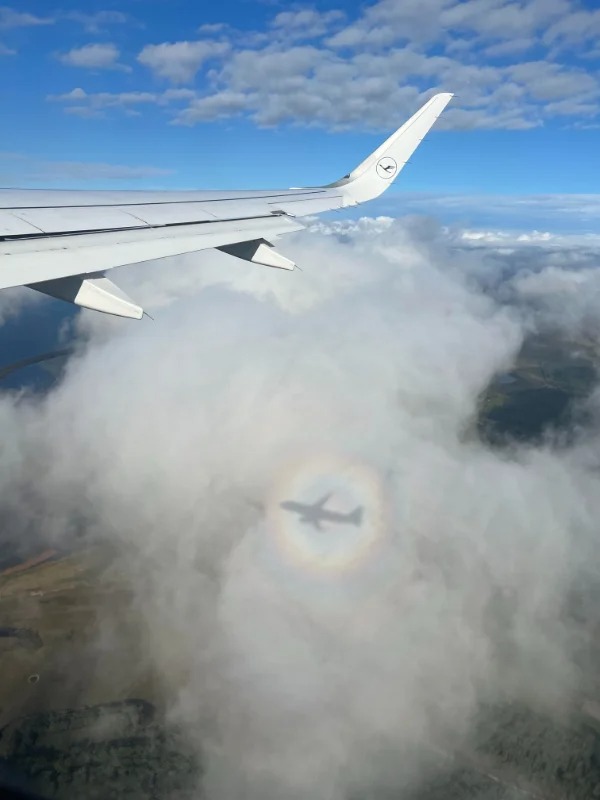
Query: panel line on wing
50, 258
286, 194
66, 234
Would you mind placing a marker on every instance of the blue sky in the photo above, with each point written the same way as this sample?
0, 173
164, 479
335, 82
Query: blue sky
242, 94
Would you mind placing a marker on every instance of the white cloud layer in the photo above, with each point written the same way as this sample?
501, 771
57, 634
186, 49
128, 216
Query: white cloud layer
169, 437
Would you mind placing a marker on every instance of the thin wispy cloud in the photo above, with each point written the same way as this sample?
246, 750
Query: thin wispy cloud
98, 21
18, 168
555, 212
12, 18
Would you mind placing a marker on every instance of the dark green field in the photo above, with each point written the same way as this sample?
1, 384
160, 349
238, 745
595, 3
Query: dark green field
542, 394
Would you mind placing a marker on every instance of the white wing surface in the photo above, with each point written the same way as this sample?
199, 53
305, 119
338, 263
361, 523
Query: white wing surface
62, 242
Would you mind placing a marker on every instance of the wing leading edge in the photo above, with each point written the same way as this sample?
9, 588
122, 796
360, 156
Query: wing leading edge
62, 242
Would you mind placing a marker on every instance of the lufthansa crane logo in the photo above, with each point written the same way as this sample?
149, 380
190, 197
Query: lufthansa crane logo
386, 167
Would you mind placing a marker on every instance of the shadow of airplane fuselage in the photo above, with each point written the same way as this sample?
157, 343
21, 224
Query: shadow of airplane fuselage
316, 513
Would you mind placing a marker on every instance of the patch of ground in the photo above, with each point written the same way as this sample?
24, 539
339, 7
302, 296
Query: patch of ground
117, 750
541, 393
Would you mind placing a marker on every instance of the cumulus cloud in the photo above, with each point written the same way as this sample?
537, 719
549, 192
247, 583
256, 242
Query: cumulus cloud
568, 297
184, 434
306, 23
180, 61
575, 28
11, 18
334, 86
302, 82
94, 56
13, 301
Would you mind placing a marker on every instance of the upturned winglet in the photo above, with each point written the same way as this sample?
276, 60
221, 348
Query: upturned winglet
379, 170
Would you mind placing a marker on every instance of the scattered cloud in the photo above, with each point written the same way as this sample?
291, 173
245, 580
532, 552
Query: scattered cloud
85, 112
335, 69
217, 106
519, 239
306, 23
576, 27
94, 56
303, 84
105, 98
6, 51
510, 47
331, 84
586, 126
97, 102
99, 21
179, 62
551, 82
209, 28
266, 384
11, 18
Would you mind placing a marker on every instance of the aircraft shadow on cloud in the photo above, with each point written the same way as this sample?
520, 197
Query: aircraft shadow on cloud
62, 243
317, 513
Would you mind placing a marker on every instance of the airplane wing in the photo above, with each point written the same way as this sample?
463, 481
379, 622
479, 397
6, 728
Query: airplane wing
322, 501
313, 520
61, 243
